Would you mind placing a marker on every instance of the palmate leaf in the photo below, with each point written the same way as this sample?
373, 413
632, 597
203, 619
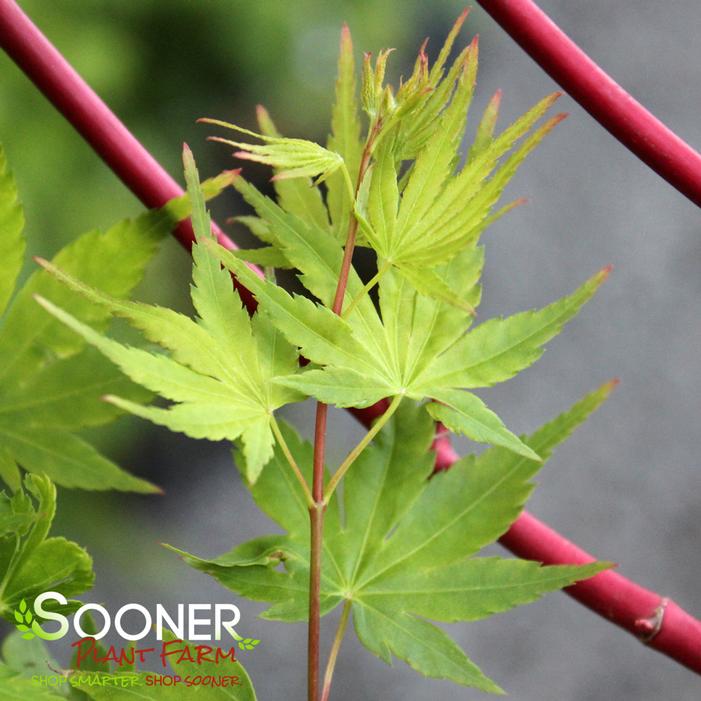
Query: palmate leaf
423, 97
457, 215
500, 348
439, 213
299, 196
317, 255
23, 658
31, 562
405, 553
37, 418
292, 158
415, 343
49, 384
432, 212
29, 336
220, 366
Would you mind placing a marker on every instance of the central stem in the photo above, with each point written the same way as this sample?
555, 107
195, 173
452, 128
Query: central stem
316, 522
316, 512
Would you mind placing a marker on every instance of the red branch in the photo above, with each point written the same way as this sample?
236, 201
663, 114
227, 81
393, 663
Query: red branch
655, 620
605, 100
93, 120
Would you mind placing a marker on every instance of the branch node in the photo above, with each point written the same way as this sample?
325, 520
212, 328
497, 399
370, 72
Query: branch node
647, 628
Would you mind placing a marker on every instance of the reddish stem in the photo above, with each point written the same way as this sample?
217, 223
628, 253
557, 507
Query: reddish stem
609, 594
316, 513
605, 100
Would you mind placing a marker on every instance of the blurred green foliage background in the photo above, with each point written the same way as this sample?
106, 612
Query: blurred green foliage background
160, 65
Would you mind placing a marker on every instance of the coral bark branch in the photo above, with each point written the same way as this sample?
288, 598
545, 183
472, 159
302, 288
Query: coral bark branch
94, 121
638, 610
605, 100
654, 620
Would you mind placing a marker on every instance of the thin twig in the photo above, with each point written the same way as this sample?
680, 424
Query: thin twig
353, 455
335, 649
292, 462
366, 288
316, 513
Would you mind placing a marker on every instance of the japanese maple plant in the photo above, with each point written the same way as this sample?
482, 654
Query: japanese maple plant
383, 536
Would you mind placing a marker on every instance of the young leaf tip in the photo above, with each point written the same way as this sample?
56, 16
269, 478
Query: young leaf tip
219, 139
518, 202
605, 566
552, 98
457, 26
605, 272
609, 386
554, 121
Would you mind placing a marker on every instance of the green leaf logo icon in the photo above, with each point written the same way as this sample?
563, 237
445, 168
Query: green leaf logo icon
28, 625
24, 619
248, 643
245, 643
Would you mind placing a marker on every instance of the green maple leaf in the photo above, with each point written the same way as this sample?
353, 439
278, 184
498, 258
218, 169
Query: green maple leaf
218, 374
415, 346
30, 561
21, 660
50, 385
292, 158
406, 550
438, 213
423, 98
424, 228
423, 219
300, 196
